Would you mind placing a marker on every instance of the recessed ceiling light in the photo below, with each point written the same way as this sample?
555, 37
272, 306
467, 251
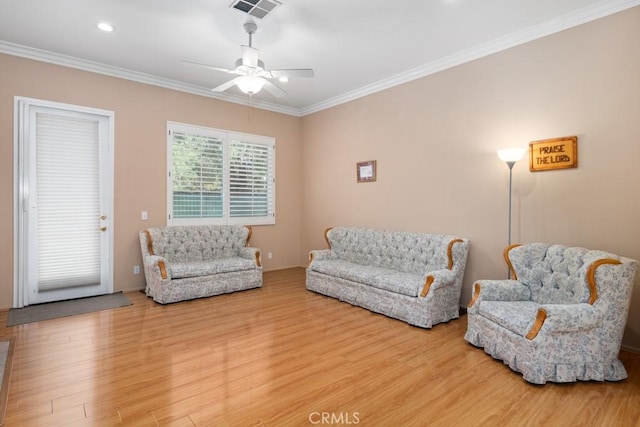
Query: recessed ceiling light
104, 26
283, 79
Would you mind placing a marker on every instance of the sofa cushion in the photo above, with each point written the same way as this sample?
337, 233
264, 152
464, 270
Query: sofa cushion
407, 252
191, 243
382, 278
349, 271
181, 270
516, 316
555, 274
399, 283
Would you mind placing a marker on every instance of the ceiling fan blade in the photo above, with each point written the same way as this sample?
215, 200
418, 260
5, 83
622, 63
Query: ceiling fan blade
210, 67
293, 73
250, 56
273, 89
225, 86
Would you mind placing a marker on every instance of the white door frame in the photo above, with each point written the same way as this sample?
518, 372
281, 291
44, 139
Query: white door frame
21, 113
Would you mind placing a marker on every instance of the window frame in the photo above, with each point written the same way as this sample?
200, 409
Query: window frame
227, 137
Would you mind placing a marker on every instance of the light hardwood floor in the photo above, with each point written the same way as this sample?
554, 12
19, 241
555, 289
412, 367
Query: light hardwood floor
282, 356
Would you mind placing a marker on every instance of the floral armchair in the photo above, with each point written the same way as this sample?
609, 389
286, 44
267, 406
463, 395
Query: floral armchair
562, 316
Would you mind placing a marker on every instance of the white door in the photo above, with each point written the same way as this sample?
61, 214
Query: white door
65, 202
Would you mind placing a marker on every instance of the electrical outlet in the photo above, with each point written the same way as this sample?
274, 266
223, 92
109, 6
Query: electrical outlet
136, 269
269, 255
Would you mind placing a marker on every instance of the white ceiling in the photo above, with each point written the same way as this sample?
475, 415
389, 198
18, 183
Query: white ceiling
355, 47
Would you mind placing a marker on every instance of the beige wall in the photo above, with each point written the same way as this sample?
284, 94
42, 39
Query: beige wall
435, 141
141, 115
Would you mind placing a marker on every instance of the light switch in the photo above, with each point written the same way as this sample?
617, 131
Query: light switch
144, 216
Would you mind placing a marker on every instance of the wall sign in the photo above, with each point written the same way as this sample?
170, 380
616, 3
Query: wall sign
556, 153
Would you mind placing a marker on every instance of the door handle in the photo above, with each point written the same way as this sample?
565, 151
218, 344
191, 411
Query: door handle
103, 228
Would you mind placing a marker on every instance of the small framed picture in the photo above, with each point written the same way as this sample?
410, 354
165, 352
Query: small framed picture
366, 171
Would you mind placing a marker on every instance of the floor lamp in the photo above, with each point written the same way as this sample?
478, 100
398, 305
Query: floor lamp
510, 156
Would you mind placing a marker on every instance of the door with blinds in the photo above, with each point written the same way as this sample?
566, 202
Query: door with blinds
65, 187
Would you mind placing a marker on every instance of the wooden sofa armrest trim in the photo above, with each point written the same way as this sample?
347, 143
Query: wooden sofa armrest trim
149, 242
326, 236
514, 276
427, 285
591, 276
450, 251
258, 259
537, 325
476, 294
163, 269
248, 227
310, 258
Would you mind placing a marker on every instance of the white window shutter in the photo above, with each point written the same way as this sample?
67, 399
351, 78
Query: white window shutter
197, 176
219, 177
251, 180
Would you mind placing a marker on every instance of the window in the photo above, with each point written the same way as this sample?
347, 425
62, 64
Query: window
219, 177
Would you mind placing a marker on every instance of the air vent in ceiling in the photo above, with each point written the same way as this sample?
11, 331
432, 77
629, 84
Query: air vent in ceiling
256, 8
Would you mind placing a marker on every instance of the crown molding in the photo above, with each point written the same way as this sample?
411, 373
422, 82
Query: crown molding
579, 17
582, 16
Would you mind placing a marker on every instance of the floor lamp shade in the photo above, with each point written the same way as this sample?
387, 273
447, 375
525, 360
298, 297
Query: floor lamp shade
508, 155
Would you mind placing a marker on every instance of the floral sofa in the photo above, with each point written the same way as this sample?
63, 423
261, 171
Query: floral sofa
413, 277
561, 317
186, 262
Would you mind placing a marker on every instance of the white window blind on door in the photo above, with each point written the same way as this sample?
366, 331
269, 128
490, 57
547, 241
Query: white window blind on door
68, 201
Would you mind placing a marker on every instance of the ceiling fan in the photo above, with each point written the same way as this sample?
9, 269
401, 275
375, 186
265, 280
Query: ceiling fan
252, 75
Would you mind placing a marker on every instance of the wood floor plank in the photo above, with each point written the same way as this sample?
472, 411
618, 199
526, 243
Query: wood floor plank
282, 356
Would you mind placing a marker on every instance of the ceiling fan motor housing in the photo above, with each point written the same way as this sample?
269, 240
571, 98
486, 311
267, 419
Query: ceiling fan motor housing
250, 27
259, 68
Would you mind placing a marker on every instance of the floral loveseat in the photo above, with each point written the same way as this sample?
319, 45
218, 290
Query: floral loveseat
186, 262
413, 277
561, 318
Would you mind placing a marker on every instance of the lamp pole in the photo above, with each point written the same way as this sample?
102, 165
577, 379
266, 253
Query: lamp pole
510, 164
510, 156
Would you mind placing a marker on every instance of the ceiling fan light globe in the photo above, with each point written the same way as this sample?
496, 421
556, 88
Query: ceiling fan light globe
250, 84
